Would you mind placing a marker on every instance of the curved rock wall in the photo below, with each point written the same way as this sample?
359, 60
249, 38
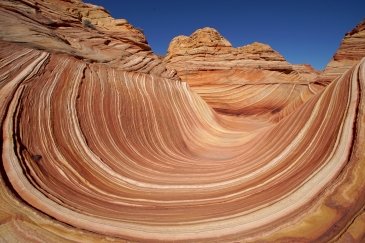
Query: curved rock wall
95, 151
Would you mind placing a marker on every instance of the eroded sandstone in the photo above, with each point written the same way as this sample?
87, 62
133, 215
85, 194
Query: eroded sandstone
350, 52
218, 72
116, 147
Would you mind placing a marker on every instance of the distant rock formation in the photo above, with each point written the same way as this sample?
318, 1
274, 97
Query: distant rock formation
213, 69
206, 49
350, 52
102, 141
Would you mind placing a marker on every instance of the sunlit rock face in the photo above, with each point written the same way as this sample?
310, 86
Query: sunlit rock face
207, 50
350, 52
96, 150
81, 30
236, 81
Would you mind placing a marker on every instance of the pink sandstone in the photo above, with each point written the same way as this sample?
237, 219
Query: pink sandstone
103, 141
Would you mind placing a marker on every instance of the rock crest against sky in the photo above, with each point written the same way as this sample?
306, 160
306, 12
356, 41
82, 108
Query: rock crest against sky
105, 141
304, 32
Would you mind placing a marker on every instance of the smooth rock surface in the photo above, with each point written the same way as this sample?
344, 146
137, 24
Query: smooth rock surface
116, 150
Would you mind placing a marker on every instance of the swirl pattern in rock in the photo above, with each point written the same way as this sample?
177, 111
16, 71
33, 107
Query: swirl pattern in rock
101, 152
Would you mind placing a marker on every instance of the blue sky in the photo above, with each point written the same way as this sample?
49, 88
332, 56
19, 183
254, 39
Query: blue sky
302, 31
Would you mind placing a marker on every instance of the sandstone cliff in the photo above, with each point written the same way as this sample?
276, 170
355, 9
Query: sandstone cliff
115, 148
350, 52
81, 30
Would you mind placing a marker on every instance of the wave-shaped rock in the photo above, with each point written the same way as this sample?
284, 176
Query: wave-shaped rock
97, 151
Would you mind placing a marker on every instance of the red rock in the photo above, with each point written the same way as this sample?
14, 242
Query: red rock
214, 69
206, 49
82, 30
350, 52
98, 148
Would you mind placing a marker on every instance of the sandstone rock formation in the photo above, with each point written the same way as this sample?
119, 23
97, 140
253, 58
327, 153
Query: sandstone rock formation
350, 52
101, 149
217, 72
206, 49
82, 30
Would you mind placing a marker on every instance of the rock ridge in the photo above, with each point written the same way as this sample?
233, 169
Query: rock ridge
350, 52
207, 49
101, 141
85, 31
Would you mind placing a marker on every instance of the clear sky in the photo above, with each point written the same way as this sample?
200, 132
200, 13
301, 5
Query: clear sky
304, 31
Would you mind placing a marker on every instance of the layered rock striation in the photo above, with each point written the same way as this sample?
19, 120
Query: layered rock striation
81, 30
206, 49
218, 72
103, 151
350, 52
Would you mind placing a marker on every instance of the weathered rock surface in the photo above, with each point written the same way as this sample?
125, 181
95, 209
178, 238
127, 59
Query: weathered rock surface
82, 30
206, 49
107, 152
350, 52
215, 70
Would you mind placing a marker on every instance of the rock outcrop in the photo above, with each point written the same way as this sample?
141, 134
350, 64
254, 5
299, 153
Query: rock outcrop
96, 150
82, 30
350, 52
206, 49
215, 70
